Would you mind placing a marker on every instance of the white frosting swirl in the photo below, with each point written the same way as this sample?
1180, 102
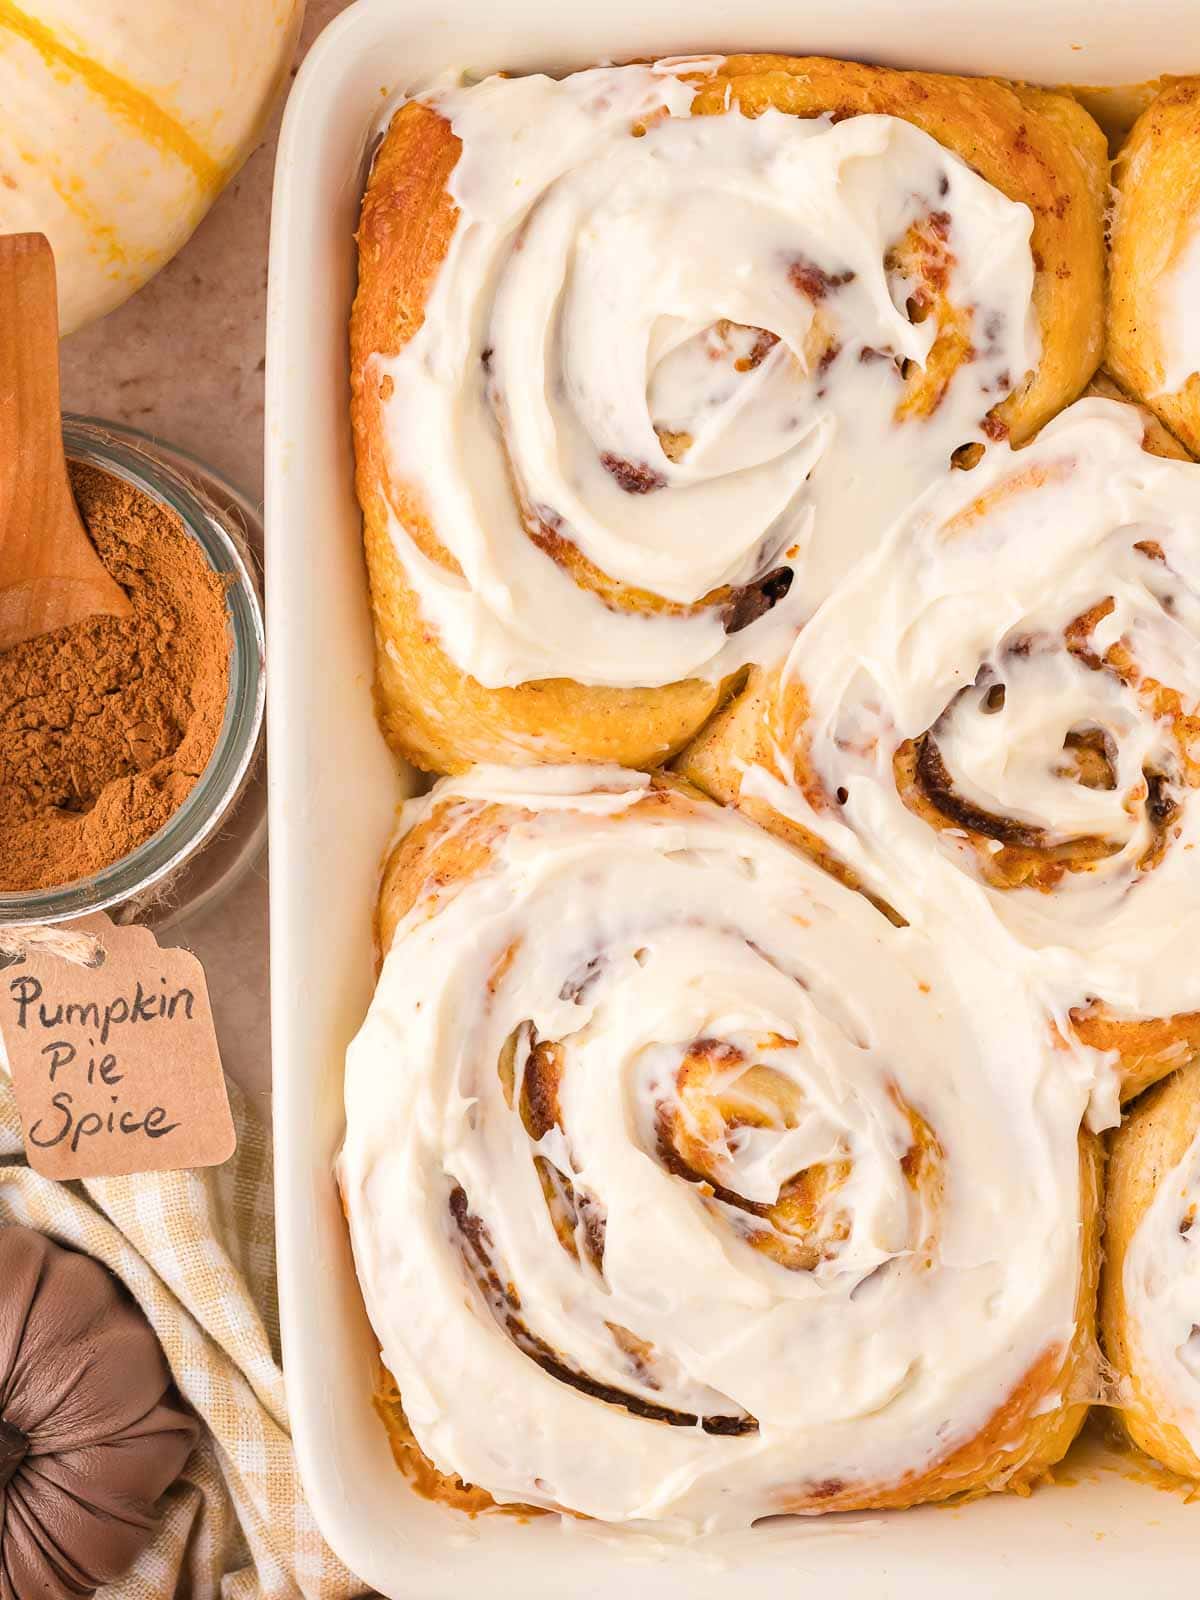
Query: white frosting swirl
1177, 294
678, 353
775, 1199
1161, 1281
1039, 618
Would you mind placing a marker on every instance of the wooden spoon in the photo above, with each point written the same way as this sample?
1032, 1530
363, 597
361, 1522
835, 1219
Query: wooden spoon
50, 574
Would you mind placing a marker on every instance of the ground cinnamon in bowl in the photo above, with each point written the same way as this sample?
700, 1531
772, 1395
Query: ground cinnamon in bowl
106, 725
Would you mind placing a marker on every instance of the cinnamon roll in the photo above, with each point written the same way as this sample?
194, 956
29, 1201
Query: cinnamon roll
998, 716
651, 1121
643, 358
1150, 1297
1154, 297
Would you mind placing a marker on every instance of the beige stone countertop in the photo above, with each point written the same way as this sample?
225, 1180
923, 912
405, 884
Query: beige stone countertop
184, 360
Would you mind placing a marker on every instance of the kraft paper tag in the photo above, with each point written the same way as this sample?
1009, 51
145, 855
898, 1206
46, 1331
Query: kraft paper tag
116, 1067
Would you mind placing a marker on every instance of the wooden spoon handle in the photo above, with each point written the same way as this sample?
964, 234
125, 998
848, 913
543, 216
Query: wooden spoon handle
50, 573
32, 462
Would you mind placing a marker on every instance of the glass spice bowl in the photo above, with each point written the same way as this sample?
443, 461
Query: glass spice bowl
220, 829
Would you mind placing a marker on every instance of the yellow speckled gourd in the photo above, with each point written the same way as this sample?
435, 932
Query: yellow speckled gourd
121, 124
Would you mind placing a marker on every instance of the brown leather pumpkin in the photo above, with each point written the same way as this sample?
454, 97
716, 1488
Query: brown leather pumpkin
91, 1430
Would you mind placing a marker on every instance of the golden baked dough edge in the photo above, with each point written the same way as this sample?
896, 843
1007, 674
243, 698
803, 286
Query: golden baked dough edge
1156, 211
1149, 1143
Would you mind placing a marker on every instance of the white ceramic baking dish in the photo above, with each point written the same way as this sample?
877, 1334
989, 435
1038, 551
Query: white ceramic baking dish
334, 790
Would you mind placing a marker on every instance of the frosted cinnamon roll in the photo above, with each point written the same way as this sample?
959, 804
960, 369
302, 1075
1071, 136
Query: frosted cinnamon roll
1154, 297
1150, 1297
998, 715
651, 1121
643, 358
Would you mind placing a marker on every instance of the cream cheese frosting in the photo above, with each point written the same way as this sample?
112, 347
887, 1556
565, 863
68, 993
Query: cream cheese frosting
674, 342
1036, 613
1178, 298
692, 1347
1161, 1282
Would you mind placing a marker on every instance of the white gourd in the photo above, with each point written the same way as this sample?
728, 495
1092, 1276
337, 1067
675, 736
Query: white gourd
122, 120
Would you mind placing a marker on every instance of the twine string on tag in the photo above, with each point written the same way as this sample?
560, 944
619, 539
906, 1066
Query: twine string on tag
82, 949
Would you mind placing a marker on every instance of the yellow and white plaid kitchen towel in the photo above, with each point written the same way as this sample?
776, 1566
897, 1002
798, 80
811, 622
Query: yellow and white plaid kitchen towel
197, 1251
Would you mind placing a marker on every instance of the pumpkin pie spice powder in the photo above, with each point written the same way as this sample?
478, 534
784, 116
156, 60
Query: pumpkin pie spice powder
106, 725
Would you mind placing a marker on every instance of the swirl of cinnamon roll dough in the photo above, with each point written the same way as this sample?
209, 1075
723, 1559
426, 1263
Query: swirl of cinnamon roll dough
643, 357
683, 1187
1153, 334
999, 713
1150, 1294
